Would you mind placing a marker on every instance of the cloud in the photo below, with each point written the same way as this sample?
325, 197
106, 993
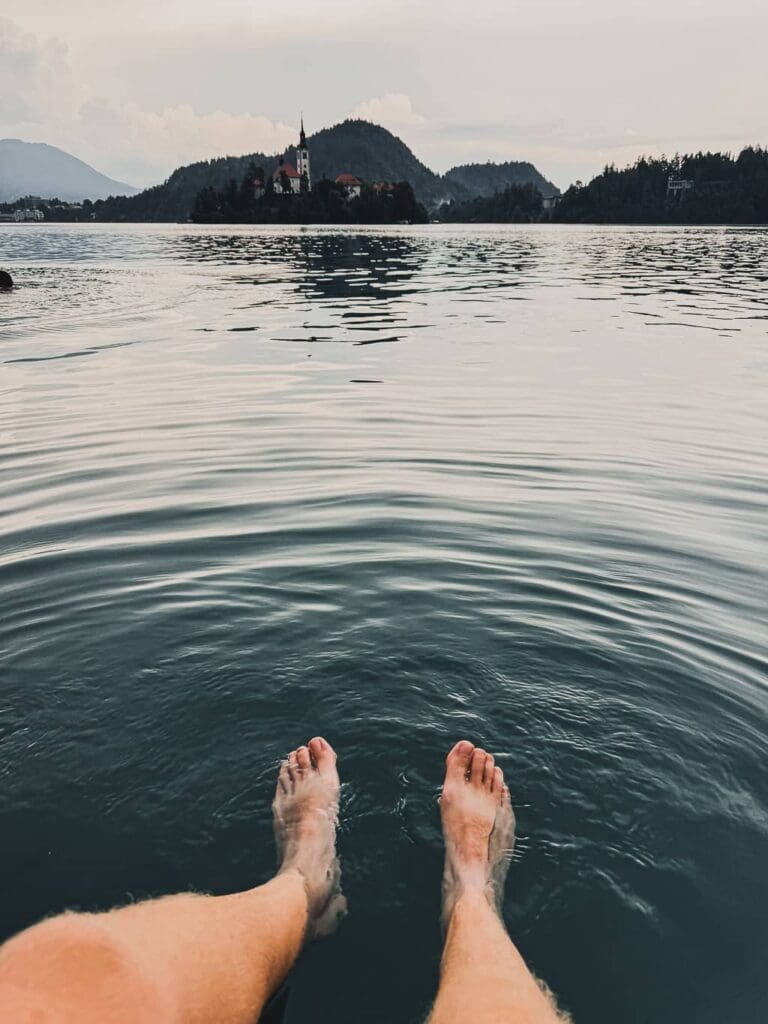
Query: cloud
148, 143
41, 100
35, 77
393, 110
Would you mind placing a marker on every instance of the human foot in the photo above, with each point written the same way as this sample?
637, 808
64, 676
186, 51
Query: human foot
306, 811
478, 827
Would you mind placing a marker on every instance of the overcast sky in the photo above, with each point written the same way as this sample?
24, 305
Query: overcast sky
138, 88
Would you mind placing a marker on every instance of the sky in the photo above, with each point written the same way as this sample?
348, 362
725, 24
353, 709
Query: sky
138, 89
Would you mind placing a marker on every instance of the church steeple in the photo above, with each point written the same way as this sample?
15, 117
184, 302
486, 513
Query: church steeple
302, 158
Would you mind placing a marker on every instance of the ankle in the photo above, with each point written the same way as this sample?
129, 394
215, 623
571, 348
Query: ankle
469, 875
474, 900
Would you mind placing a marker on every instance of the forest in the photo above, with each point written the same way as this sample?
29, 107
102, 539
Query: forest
708, 188
515, 204
327, 203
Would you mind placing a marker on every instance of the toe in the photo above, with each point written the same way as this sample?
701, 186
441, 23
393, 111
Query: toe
293, 765
284, 778
459, 759
476, 769
506, 799
490, 764
303, 759
323, 755
498, 781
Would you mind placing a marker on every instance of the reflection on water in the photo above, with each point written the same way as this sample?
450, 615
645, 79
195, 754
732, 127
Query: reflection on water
396, 486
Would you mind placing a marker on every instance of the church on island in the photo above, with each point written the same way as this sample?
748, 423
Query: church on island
290, 179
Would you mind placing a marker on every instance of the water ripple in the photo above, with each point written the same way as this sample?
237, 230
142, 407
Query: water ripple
544, 527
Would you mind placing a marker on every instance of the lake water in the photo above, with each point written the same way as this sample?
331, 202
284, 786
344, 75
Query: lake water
397, 487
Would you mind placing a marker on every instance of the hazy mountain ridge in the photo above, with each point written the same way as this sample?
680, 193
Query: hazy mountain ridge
489, 178
371, 152
37, 169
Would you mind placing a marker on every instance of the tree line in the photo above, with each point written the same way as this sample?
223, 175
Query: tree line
327, 203
515, 204
698, 188
707, 188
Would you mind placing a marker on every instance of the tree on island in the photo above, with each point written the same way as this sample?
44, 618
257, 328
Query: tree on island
327, 203
516, 204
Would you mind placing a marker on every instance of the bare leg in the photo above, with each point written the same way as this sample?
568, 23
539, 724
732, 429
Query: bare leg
483, 978
191, 959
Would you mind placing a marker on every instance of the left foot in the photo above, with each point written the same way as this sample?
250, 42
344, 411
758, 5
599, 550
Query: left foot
478, 827
306, 811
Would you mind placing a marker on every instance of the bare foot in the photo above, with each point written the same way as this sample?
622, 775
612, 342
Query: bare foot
306, 812
478, 827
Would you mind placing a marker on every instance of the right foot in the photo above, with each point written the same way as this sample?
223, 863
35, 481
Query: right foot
478, 826
306, 812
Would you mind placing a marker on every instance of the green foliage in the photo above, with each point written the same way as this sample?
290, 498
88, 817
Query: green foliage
205, 209
173, 200
327, 203
725, 191
372, 154
472, 180
515, 204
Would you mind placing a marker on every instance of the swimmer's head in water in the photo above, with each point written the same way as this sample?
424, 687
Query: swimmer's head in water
6, 281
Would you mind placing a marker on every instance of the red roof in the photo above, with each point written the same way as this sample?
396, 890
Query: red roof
348, 179
285, 168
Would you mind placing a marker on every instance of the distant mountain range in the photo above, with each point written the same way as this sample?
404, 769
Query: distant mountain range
367, 150
37, 169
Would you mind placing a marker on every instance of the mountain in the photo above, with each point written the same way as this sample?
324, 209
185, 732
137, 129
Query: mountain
173, 200
372, 154
36, 169
367, 150
487, 179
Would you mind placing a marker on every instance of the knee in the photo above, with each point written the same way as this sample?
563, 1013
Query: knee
77, 969
70, 940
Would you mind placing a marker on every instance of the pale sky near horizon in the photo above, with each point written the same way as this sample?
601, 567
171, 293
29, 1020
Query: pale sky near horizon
138, 89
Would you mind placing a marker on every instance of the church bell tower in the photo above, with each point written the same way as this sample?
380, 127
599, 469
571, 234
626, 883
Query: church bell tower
302, 156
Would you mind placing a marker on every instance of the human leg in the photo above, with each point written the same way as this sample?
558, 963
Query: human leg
191, 958
483, 978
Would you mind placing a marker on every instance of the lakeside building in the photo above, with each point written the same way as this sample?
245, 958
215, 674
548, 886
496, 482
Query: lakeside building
351, 185
25, 214
677, 187
285, 178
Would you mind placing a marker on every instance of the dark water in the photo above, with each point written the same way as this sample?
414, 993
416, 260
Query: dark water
397, 487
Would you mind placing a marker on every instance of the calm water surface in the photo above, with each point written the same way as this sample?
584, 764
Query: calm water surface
397, 487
